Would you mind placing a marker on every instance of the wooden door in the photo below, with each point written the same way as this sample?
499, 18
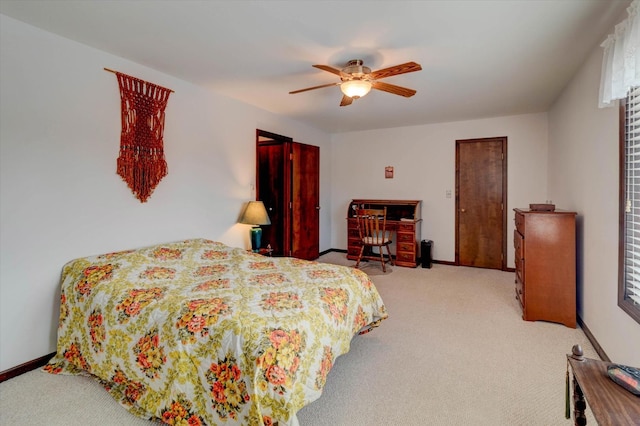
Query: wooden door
288, 182
305, 183
481, 191
272, 189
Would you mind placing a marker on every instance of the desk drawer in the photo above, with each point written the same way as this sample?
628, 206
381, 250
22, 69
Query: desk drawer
406, 257
406, 227
406, 247
353, 251
355, 242
405, 238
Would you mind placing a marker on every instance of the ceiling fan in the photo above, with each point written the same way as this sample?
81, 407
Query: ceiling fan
356, 80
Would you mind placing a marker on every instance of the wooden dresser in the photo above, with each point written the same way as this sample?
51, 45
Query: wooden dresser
545, 258
403, 218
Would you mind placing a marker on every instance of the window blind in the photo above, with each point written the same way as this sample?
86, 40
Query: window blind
632, 197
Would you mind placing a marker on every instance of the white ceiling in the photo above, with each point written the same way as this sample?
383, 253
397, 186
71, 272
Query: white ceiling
479, 58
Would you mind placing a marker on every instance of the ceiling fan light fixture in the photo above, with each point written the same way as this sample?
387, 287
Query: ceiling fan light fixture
355, 88
356, 80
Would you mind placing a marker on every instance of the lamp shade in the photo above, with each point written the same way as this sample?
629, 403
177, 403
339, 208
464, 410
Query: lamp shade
355, 88
255, 214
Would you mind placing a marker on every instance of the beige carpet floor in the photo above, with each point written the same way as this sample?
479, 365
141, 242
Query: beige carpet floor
454, 351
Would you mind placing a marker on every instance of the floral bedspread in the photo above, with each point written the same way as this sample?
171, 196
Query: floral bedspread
197, 332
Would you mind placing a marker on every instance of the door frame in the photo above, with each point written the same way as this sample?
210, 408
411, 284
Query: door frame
503, 140
263, 139
293, 168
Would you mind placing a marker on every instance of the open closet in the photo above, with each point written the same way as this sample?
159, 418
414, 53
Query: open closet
288, 182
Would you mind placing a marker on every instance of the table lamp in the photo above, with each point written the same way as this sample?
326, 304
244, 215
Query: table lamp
255, 214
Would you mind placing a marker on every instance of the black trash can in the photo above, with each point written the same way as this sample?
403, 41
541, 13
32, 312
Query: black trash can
425, 252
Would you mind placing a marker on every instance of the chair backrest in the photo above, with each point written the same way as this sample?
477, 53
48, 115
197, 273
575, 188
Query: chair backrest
372, 225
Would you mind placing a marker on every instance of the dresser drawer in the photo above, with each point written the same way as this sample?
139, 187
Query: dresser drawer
520, 223
520, 270
520, 292
518, 245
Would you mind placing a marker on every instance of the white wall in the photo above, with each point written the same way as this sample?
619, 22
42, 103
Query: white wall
583, 176
423, 158
60, 196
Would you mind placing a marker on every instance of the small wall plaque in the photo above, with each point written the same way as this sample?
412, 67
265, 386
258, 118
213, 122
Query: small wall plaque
388, 172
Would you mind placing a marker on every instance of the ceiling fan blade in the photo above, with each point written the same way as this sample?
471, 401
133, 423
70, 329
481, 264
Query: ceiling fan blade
346, 100
392, 88
398, 69
313, 88
328, 69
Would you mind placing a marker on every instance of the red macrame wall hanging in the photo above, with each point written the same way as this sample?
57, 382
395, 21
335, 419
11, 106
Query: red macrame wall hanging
141, 162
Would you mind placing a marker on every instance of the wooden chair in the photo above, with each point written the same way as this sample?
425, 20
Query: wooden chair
372, 229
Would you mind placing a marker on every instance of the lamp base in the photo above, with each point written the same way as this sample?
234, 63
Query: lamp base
256, 238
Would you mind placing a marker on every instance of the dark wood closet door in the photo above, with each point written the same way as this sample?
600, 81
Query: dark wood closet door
306, 201
481, 190
288, 182
273, 165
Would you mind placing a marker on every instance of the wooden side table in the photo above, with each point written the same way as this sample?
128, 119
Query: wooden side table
609, 402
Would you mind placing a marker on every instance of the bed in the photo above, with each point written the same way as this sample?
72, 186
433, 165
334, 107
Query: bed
197, 332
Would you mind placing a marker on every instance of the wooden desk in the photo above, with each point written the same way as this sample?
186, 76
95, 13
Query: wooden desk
406, 231
611, 404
